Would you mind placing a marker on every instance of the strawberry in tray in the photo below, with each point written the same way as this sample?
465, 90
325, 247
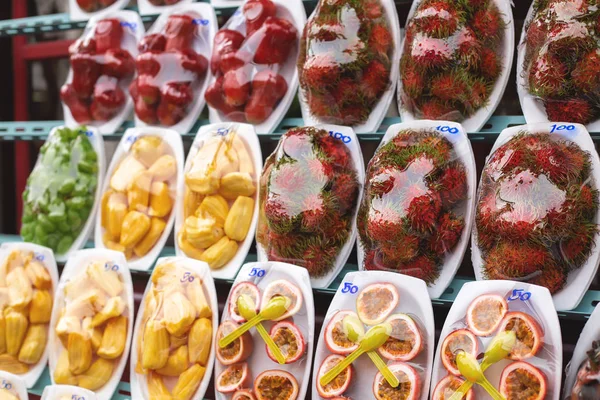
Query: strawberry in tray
248, 86
94, 5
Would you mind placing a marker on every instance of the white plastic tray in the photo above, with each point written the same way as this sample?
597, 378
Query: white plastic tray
54, 392
14, 384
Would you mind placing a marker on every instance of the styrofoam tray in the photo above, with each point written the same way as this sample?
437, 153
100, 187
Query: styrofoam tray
344, 253
147, 8
548, 359
293, 11
476, 121
248, 136
201, 270
382, 106
54, 392
464, 151
14, 384
77, 14
579, 280
173, 140
261, 274
413, 300
46, 257
76, 266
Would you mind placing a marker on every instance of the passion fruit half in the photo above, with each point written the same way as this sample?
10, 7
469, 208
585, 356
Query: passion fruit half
447, 386
290, 341
237, 351
376, 302
485, 314
521, 380
233, 378
275, 384
282, 287
455, 342
340, 384
528, 331
247, 288
244, 394
335, 339
405, 342
408, 389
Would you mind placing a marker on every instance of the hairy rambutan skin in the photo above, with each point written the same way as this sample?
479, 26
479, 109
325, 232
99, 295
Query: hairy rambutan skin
423, 212
488, 24
552, 277
401, 250
576, 248
453, 184
490, 64
576, 110
516, 261
412, 79
469, 48
437, 110
547, 76
447, 234
429, 52
586, 74
449, 87
422, 267
438, 19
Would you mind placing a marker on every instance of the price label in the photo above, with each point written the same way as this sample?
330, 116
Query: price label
222, 131
76, 397
200, 21
110, 266
349, 288
340, 136
445, 128
556, 128
259, 272
130, 25
6, 385
39, 256
187, 277
519, 294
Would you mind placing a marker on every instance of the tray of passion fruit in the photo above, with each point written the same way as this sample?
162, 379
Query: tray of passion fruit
501, 340
388, 316
264, 345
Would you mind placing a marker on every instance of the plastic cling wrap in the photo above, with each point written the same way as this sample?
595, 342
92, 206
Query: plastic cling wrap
92, 322
253, 64
247, 367
139, 198
456, 60
362, 301
81, 10
348, 63
506, 331
172, 67
217, 219
417, 207
173, 352
102, 66
149, 7
558, 75
63, 189
537, 210
309, 190
67, 392
12, 387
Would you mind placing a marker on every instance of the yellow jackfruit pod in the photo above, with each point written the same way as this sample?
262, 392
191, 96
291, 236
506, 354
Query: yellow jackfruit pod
179, 313
20, 291
155, 346
191, 202
239, 219
116, 209
157, 226
202, 232
87, 304
114, 307
41, 307
188, 382
114, 338
199, 341
109, 281
125, 172
16, 328
177, 341
164, 274
160, 200
201, 183
62, 373
195, 295
104, 208
215, 207
110, 244
177, 363
187, 247
94, 334
135, 227
67, 324
10, 364
164, 168
5, 394
245, 161
15, 258
237, 184
148, 149
2, 333
34, 344
138, 192
156, 387
79, 347
38, 275
220, 253
97, 375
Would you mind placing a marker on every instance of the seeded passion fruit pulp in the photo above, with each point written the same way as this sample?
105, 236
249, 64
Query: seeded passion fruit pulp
376, 302
290, 341
447, 386
285, 288
335, 339
233, 378
276, 384
247, 288
459, 340
523, 381
340, 384
408, 389
244, 394
405, 341
237, 351
529, 334
485, 314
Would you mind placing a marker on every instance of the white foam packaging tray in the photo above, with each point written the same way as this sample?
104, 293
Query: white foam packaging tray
14, 384
56, 392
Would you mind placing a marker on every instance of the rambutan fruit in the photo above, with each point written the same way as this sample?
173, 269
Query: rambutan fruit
345, 190
438, 19
382, 182
572, 38
372, 9
370, 263
375, 80
449, 86
488, 24
320, 70
296, 146
452, 184
278, 216
576, 110
336, 151
447, 234
552, 277
440, 147
428, 52
286, 178
477, 96
313, 212
384, 224
412, 79
576, 248
423, 212
536, 35
557, 164
421, 267
469, 49
586, 74
322, 106
436, 109
586, 200
520, 261
319, 258
404, 249
486, 239
420, 166
490, 64
381, 40
547, 76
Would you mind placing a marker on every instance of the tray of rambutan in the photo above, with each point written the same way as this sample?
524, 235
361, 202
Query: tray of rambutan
456, 59
418, 203
537, 210
308, 199
558, 64
348, 63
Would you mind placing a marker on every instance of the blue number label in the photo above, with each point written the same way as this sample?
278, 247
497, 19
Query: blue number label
519, 294
349, 288
75, 397
187, 277
200, 21
340, 136
257, 272
131, 139
6, 385
556, 128
445, 128
130, 25
39, 257
222, 131
110, 266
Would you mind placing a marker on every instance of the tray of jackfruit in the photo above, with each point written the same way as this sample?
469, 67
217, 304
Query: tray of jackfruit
28, 278
140, 195
217, 218
92, 322
172, 355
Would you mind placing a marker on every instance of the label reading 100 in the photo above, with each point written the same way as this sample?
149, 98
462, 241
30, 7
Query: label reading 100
562, 128
76, 397
445, 128
349, 288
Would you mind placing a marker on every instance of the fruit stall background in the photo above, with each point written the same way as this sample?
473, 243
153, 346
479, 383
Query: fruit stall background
34, 45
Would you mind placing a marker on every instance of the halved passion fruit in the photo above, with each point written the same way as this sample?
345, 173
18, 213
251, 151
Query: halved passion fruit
340, 384
485, 314
529, 334
408, 389
290, 341
376, 302
244, 394
247, 288
234, 378
282, 287
459, 340
521, 380
405, 342
447, 386
239, 350
335, 339
276, 384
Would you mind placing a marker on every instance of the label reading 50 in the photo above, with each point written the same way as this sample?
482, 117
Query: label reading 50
187, 277
39, 257
76, 397
6, 385
519, 294
349, 288
257, 272
109, 266
445, 128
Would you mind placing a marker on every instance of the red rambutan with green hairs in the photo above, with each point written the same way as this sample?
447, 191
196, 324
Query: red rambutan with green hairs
422, 267
321, 71
423, 211
576, 248
586, 74
552, 277
537, 31
546, 77
383, 224
438, 19
436, 109
488, 24
400, 250
516, 261
323, 107
375, 79
381, 39
412, 79
469, 48
576, 110
345, 189
427, 52
338, 156
571, 37
317, 259
449, 87
490, 64
345, 90
477, 96
447, 234
453, 184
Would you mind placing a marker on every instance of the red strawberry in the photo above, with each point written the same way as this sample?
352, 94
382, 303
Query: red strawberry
278, 38
256, 13
83, 45
376, 78
86, 72
79, 109
575, 110
118, 63
154, 42
145, 112
179, 32
147, 64
586, 74
236, 87
268, 88
381, 39
177, 93
225, 41
108, 35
